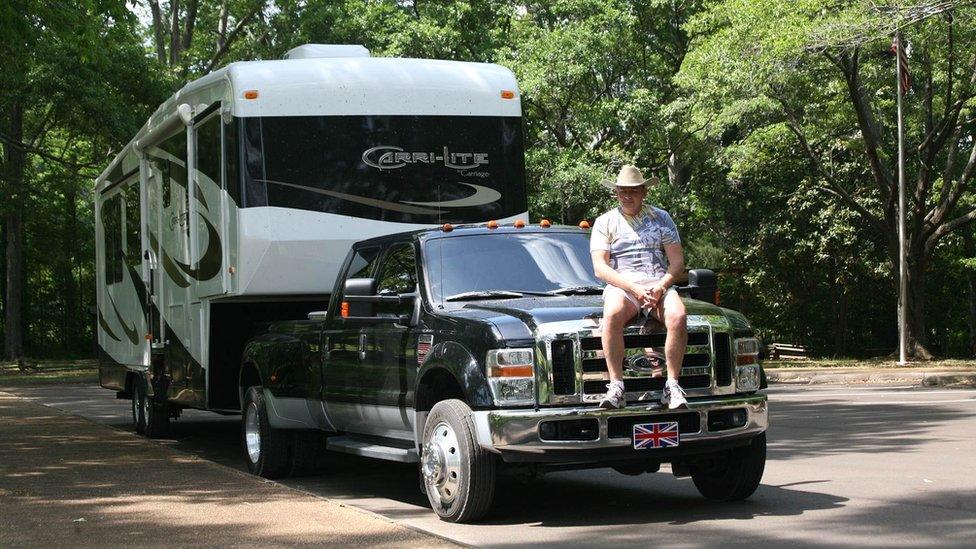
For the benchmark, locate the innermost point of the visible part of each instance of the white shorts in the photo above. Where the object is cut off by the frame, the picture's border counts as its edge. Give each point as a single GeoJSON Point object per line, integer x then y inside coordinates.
{"type": "Point", "coordinates": [638, 278]}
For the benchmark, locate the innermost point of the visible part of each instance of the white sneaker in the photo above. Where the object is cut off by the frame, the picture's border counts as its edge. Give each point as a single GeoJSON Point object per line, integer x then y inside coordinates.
{"type": "Point", "coordinates": [614, 397]}
{"type": "Point", "coordinates": [674, 395]}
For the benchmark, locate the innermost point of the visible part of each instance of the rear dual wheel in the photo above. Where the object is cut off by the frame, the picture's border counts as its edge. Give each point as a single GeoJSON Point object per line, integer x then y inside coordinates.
{"type": "Point", "coordinates": [150, 414]}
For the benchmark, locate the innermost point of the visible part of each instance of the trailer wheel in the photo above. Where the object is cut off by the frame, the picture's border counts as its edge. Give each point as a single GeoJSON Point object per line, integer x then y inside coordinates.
{"type": "Point", "coordinates": [138, 397]}
{"type": "Point", "coordinates": [731, 475]}
{"type": "Point", "coordinates": [267, 449]}
{"type": "Point", "coordinates": [458, 474]}
{"type": "Point", "coordinates": [155, 414]}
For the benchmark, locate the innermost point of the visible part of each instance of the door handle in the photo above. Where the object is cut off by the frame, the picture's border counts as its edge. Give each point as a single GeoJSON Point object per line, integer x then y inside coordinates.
{"type": "Point", "coordinates": [362, 346]}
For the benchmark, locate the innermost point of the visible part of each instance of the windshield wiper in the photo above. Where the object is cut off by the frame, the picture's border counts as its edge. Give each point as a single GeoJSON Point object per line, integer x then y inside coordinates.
{"type": "Point", "coordinates": [577, 290]}
{"type": "Point", "coordinates": [484, 294]}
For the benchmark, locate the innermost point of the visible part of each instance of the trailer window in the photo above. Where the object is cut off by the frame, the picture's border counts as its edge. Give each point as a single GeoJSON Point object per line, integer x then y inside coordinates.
{"type": "Point", "coordinates": [133, 240]}
{"type": "Point", "coordinates": [405, 169]}
{"type": "Point", "coordinates": [208, 152]}
{"type": "Point", "coordinates": [111, 213]}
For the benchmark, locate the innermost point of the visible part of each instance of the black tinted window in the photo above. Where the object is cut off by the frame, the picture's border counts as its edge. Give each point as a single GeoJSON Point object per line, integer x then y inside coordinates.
{"type": "Point", "coordinates": [133, 240]}
{"type": "Point", "coordinates": [408, 169]}
{"type": "Point", "coordinates": [399, 274]}
{"type": "Point", "coordinates": [111, 213]}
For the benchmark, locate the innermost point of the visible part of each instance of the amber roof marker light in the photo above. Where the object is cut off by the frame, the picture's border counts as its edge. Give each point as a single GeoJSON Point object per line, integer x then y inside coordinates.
{"type": "Point", "coordinates": [519, 224]}
{"type": "Point", "coordinates": [508, 94]}
{"type": "Point", "coordinates": [447, 227]}
{"type": "Point", "coordinates": [251, 94]}
{"type": "Point", "coordinates": [545, 224]}
{"type": "Point", "coordinates": [584, 224]}
{"type": "Point", "coordinates": [492, 224]}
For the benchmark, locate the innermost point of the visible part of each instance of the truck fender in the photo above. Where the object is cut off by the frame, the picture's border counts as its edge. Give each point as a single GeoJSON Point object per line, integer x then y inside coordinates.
{"type": "Point", "coordinates": [463, 367]}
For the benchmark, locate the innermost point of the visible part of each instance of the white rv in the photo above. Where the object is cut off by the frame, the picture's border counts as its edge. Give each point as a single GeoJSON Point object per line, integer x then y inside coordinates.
{"type": "Point", "coordinates": [237, 201]}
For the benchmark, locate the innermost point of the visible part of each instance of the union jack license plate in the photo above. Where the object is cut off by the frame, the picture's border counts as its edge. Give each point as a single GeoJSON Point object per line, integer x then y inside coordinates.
{"type": "Point", "coordinates": [655, 435]}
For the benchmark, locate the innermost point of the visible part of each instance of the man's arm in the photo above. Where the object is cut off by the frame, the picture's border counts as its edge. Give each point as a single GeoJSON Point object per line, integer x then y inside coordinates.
{"type": "Point", "coordinates": [606, 273]}
{"type": "Point", "coordinates": [676, 269]}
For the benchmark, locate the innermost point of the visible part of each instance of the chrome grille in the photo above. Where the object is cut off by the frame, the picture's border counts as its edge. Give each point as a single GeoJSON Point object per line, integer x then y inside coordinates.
{"type": "Point", "coordinates": [644, 365]}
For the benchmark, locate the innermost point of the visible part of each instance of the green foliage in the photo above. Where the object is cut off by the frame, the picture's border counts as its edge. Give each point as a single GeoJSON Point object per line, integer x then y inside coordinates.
{"type": "Point", "coordinates": [738, 106]}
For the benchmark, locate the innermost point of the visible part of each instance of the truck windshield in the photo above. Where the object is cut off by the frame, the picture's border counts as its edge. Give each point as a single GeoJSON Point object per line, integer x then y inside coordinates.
{"type": "Point", "coordinates": [506, 265]}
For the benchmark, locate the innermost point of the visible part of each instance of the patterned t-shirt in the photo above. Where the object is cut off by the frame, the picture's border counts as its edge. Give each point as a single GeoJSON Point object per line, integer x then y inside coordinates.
{"type": "Point", "coordinates": [636, 243]}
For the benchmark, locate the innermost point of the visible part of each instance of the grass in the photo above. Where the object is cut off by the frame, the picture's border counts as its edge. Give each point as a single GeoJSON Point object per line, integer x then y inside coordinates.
{"type": "Point", "coordinates": [874, 363]}
{"type": "Point", "coordinates": [49, 372]}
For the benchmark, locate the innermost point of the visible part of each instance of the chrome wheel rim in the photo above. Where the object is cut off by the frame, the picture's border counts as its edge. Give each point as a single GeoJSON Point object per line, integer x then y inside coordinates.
{"type": "Point", "coordinates": [146, 405]}
{"type": "Point", "coordinates": [252, 433]}
{"type": "Point", "coordinates": [441, 463]}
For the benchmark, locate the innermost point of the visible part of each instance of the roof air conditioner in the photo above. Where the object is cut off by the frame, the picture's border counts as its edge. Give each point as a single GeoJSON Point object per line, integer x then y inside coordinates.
{"type": "Point", "coordinates": [312, 51]}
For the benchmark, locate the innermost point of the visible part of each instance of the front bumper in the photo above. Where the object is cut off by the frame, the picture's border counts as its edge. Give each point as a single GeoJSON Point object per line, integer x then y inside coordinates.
{"type": "Point", "coordinates": [515, 434]}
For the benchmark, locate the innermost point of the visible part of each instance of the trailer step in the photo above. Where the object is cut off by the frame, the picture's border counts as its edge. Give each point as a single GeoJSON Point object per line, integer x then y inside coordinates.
{"type": "Point", "coordinates": [360, 447]}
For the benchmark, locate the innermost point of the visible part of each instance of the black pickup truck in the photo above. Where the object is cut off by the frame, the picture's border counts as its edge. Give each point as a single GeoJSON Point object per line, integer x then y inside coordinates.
{"type": "Point", "coordinates": [473, 348]}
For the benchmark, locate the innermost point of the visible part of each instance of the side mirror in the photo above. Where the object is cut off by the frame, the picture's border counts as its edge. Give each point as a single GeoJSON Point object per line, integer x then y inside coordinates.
{"type": "Point", "coordinates": [356, 287]}
{"type": "Point", "coordinates": [702, 285]}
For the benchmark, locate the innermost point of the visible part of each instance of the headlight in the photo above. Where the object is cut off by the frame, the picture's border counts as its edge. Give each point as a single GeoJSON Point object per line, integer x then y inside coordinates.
{"type": "Point", "coordinates": [511, 376]}
{"type": "Point", "coordinates": [747, 364]}
{"type": "Point", "coordinates": [746, 351]}
{"type": "Point", "coordinates": [747, 378]}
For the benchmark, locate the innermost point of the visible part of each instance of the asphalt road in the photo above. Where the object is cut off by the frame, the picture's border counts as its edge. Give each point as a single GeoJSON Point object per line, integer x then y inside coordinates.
{"type": "Point", "coordinates": [876, 466]}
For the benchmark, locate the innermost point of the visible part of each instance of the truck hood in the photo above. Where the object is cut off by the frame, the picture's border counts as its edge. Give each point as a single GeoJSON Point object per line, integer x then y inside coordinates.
{"type": "Point", "coordinates": [520, 318]}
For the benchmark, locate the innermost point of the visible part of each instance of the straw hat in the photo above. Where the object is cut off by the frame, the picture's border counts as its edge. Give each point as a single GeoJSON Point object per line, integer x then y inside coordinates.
{"type": "Point", "coordinates": [630, 176]}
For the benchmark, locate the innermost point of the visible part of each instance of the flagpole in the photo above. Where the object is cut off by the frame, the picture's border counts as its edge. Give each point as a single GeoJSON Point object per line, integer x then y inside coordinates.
{"type": "Point", "coordinates": [903, 256]}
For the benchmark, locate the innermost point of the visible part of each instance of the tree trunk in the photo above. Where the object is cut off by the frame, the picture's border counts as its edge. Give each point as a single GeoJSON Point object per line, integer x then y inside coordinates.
{"type": "Point", "coordinates": [69, 325]}
{"type": "Point", "coordinates": [915, 324]}
{"type": "Point", "coordinates": [14, 162]}
{"type": "Point", "coordinates": [969, 248]}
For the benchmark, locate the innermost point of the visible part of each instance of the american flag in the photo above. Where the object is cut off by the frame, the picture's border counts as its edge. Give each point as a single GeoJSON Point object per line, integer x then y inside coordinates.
{"type": "Point", "coordinates": [655, 435]}
{"type": "Point", "coordinates": [898, 48]}
{"type": "Point", "coordinates": [423, 347]}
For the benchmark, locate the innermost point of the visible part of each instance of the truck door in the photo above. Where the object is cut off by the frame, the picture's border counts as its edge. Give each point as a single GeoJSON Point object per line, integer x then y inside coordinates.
{"type": "Point", "coordinates": [387, 375]}
{"type": "Point", "coordinates": [343, 348]}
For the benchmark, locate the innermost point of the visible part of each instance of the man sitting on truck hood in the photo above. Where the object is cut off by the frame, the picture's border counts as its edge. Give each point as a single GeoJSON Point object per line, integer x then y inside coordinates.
{"type": "Point", "coordinates": [637, 251]}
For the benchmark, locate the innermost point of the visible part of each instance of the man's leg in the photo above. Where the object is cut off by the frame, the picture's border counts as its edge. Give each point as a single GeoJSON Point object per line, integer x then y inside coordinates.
{"type": "Point", "coordinates": [673, 312]}
{"type": "Point", "coordinates": [617, 311]}
{"type": "Point", "coordinates": [676, 341]}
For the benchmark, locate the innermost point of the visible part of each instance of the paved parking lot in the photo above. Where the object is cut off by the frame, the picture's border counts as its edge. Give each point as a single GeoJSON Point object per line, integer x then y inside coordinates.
{"type": "Point", "coordinates": [847, 465]}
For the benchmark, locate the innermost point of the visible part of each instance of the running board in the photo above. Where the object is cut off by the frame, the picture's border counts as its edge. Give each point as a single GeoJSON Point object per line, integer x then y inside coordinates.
{"type": "Point", "coordinates": [359, 447]}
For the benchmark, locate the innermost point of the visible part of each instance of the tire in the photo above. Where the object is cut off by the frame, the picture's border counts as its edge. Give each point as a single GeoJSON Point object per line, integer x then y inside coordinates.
{"type": "Point", "coordinates": [138, 405]}
{"type": "Point", "coordinates": [458, 474]}
{"type": "Point", "coordinates": [266, 450]}
{"type": "Point", "coordinates": [155, 413]}
{"type": "Point", "coordinates": [731, 475]}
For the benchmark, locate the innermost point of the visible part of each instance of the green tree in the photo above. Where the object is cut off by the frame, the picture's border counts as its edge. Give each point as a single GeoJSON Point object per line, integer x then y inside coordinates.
{"type": "Point", "coordinates": [77, 87]}
{"type": "Point", "coordinates": [816, 73]}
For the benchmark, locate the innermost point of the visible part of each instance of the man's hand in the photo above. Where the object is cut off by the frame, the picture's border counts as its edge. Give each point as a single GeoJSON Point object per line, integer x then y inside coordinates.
{"type": "Point", "coordinates": [657, 294]}
{"type": "Point", "coordinates": [644, 295]}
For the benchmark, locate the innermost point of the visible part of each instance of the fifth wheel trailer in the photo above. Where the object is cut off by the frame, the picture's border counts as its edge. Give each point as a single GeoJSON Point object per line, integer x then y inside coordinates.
{"type": "Point", "coordinates": [237, 201]}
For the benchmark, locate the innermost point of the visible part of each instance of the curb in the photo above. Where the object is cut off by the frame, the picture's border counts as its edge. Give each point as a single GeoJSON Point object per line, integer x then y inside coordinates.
{"type": "Point", "coordinates": [911, 377]}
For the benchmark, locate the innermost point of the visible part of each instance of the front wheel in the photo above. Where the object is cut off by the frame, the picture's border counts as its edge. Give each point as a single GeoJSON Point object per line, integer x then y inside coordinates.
{"type": "Point", "coordinates": [458, 474]}
{"type": "Point", "coordinates": [733, 474]}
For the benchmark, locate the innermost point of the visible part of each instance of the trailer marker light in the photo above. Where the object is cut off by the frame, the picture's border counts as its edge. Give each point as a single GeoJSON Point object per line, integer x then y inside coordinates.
{"type": "Point", "coordinates": [344, 309]}
{"type": "Point", "coordinates": [231, 269]}
{"type": "Point", "coordinates": [447, 227]}
{"type": "Point", "coordinates": [508, 94]}
{"type": "Point", "coordinates": [492, 224]}
{"type": "Point", "coordinates": [519, 223]}
{"type": "Point", "coordinates": [251, 94]}
{"type": "Point", "coordinates": [545, 224]}
{"type": "Point", "coordinates": [584, 224]}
